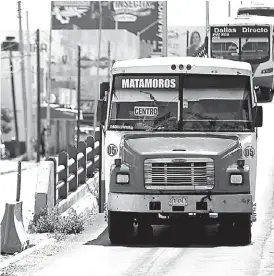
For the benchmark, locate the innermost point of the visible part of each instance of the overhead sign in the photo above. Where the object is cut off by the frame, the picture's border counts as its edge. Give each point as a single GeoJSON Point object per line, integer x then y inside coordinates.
{"type": "Point", "coordinates": [145, 82]}
{"type": "Point", "coordinates": [240, 31]}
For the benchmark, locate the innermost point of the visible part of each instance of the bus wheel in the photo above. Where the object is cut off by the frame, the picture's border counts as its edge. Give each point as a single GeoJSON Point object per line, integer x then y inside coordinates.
{"type": "Point", "coordinates": [243, 229]}
{"type": "Point", "coordinates": [225, 233]}
{"type": "Point", "coordinates": [120, 227]}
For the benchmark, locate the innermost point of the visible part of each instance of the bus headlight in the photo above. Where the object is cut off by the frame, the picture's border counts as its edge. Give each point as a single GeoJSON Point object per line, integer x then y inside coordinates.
{"type": "Point", "coordinates": [267, 71]}
{"type": "Point", "coordinates": [122, 178]}
{"type": "Point", "coordinates": [236, 179]}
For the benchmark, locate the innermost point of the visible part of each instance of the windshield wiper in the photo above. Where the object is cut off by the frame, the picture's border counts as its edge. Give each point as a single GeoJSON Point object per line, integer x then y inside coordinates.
{"type": "Point", "coordinates": [150, 95]}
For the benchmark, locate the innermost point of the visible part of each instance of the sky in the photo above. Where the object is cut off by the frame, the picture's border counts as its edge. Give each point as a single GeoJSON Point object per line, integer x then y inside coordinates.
{"type": "Point", "coordinates": [180, 13]}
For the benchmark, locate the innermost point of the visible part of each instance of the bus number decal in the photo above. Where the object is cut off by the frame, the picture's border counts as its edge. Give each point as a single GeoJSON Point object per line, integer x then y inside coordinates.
{"type": "Point", "coordinates": [112, 150]}
{"type": "Point", "coordinates": [249, 152]}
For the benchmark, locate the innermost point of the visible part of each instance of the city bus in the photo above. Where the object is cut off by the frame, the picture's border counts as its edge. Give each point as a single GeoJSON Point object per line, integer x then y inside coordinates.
{"type": "Point", "coordinates": [179, 143]}
{"type": "Point", "coordinates": [249, 39]}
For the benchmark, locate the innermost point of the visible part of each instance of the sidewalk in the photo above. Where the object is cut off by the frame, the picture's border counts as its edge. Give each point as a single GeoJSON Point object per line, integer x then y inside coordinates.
{"type": "Point", "coordinates": [9, 166]}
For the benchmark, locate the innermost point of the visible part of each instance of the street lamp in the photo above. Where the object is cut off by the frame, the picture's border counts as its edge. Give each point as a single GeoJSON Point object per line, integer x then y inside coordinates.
{"type": "Point", "coordinates": [11, 45]}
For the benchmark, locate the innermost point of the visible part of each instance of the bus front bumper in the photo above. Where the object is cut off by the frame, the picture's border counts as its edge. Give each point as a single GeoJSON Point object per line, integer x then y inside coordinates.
{"type": "Point", "coordinates": [137, 203]}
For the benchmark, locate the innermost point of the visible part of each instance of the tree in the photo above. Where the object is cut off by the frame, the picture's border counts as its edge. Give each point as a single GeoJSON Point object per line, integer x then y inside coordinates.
{"type": "Point", "coordinates": [6, 119]}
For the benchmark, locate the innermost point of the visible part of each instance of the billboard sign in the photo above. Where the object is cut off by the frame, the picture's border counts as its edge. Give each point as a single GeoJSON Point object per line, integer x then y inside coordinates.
{"type": "Point", "coordinates": [185, 40]}
{"type": "Point", "coordinates": [143, 17]}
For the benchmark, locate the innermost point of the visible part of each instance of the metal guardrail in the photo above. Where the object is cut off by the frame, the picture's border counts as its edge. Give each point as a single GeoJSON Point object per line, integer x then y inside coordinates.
{"type": "Point", "coordinates": [73, 167]}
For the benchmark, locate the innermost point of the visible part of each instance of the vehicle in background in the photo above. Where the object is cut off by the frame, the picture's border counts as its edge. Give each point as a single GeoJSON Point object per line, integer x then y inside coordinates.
{"type": "Point", "coordinates": [179, 142]}
{"type": "Point", "coordinates": [259, 9]}
{"type": "Point", "coordinates": [249, 39]}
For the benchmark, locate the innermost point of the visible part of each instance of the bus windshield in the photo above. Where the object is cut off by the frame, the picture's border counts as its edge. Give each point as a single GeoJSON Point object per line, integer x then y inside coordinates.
{"type": "Point", "coordinates": [243, 43]}
{"type": "Point", "coordinates": [211, 103]}
{"type": "Point", "coordinates": [260, 12]}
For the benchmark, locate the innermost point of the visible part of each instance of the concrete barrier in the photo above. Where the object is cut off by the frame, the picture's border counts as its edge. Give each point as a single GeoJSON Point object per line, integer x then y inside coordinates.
{"type": "Point", "coordinates": [44, 194]}
{"type": "Point", "coordinates": [13, 234]}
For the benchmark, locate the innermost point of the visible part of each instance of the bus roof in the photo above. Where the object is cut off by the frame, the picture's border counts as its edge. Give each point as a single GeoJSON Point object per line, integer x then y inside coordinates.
{"type": "Point", "coordinates": [198, 66]}
{"type": "Point", "coordinates": [246, 20]}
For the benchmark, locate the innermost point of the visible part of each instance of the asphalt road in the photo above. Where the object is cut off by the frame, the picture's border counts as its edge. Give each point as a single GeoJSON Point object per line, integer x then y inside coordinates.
{"type": "Point", "coordinates": [94, 255]}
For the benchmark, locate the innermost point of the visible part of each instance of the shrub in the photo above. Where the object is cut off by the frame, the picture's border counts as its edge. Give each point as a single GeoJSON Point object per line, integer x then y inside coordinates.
{"type": "Point", "coordinates": [6, 119]}
{"type": "Point", "coordinates": [54, 223]}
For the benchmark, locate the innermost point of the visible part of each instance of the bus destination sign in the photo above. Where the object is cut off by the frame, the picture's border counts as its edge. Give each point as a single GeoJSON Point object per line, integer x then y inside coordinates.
{"type": "Point", "coordinates": [240, 31]}
{"type": "Point", "coordinates": [147, 82]}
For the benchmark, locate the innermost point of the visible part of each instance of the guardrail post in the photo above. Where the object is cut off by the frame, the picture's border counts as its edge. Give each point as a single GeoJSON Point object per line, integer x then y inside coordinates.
{"type": "Point", "coordinates": [63, 175]}
{"type": "Point", "coordinates": [90, 156]}
{"type": "Point", "coordinates": [73, 169]}
{"type": "Point", "coordinates": [82, 148]}
{"type": "Point", "coordinates": [54, 177]}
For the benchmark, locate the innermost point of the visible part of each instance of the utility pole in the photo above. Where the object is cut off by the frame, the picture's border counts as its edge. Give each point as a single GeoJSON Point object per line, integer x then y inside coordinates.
{"type": "Point", "coordinates": [97, 91]}
{"type": "Point", "coordinates": [38, 94]}
{"type": "Point", "coordinates": [24, 92]}
{"type": "Point", "coordinates": [229, 8]}
{"type": "Point", "coordinates": [29, 90]}
{"type": "Point", "coordinates": [14, 104]}
{"type": "Point", "coordinates": [164, 49]}
{"type": "Point", "coordinates": [109, 61]}
{"type": "Point", "coordinates": [11, 45]}
{"type": "Point", "coordinates": [187, 41]}
{"type": "Point", "coordinates": [47, 145]}
{"type": "Point", "coordinates": [78, 93]}
{"type": "Point", "coordinates": [207, 18]}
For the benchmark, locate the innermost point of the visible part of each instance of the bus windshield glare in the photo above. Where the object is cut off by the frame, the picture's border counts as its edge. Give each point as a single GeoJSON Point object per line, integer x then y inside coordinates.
{"type": "Point", "coordinates": [242, 43]}
{"type": "Point", "coordinates": [211, 103]}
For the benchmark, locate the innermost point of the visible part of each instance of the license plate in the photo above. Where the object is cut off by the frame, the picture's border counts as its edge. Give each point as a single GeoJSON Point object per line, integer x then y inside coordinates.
{"type": "Point", "coordinates": [177, 201]}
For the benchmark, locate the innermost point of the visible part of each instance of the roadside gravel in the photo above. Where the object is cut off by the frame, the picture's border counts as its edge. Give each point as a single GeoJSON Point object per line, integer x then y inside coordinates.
{"type": "Point", "coordinates": [38, 258]}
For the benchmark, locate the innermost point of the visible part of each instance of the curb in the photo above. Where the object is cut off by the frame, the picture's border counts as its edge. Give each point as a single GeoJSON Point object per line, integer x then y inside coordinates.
{"type": "Point", "coordinates": [25, 253]}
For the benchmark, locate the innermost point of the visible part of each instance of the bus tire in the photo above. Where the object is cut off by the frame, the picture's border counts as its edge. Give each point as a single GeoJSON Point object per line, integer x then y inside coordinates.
{"type": "Point", "coordinates": [225, 231]}
{"type": "Point", "coordinates": [242, 227]}
{"type": "Point", "coordinates": [120, 227]}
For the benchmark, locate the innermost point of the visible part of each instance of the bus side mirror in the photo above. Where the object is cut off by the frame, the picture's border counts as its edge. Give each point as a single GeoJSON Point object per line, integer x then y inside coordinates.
{"type": "Point", "coordinates": [258, 113]}
{"type": "Point", "coordinates": [101, 111]}
{"type": "Point", "coordinates": [258, 93]}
